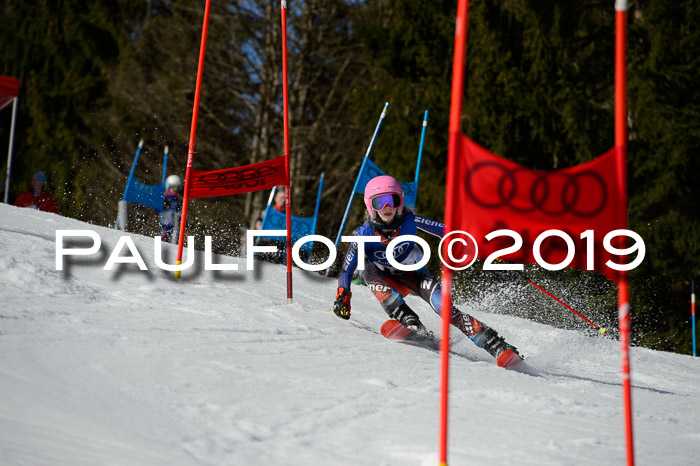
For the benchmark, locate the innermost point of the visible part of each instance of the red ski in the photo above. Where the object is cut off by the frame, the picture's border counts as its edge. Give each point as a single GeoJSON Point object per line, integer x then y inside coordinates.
{"type": "Point", "coordinates": [393, 330]}
{"type": "Point", "coordinates": [508, 359]}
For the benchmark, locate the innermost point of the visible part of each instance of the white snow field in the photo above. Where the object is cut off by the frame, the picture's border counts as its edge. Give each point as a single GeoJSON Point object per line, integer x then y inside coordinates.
{"type": "Point", "coordinates": [134, 367]}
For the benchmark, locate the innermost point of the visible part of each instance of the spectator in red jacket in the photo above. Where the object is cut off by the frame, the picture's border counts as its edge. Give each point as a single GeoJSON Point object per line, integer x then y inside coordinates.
{"type": "Point", "coordinates": [36, 197]}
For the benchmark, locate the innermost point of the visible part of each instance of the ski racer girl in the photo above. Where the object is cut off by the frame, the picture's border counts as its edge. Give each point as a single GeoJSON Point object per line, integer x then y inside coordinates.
{"type": "Point", "coordinates": [388, 219]}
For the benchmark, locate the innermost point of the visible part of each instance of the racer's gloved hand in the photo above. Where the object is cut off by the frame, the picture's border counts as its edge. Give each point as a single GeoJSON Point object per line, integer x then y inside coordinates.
{"type": "Point", "coordinates": [341, 306]}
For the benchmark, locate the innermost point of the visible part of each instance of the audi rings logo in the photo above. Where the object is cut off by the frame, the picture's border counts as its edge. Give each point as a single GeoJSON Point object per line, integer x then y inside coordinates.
{"type": "Point", "coordinates": [279, 221]}
{"type": "Point", "coordinates": [398, 251]}
{"type": "Point", "coordinates": [237, 178]}
{"type": "Point", "coordinates": [583, 194]}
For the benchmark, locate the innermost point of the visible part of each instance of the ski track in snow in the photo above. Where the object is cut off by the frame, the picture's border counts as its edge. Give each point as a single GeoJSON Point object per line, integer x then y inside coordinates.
{"type": "Point", "coordinates": [133, 367]}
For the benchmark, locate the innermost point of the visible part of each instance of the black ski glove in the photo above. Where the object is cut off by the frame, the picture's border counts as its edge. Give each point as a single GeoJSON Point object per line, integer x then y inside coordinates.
{"type": "Point", "coordinates": [341, 306]}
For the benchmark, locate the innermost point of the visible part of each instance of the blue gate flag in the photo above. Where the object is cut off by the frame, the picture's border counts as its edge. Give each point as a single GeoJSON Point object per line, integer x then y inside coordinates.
{"type": "Point", "coordinates": [144, 194]}
{"type": "Point", "coordinates": [150, 195]}
{"type": "Point", "coordinates": [301, 226]}
{"type": "Point", "coordinates": [371, 170]}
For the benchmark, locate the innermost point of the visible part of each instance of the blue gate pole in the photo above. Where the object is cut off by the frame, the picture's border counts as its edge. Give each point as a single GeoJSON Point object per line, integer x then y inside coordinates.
{"type": "Point", "coordinates": [362, 167]}
{"type": "Point", "coordinates": [162, 193]}
{"type": "Point", "coordinates": [128, 181]}
{"type": "Point", "coordinates": [165, 165]}
{"type": "Point", "coordinates": [420, 149]}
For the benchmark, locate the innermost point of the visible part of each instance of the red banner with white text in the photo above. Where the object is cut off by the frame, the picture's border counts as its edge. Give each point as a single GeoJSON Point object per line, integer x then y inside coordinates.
{"type": "Point", "coordinates": [495, 193]}
{"type": "Point", "coordinates": [254, 177]}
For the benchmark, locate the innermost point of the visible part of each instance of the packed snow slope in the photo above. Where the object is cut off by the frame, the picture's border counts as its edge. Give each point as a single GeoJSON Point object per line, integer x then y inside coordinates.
{"type": "Point", "coordinates": [134, 367]}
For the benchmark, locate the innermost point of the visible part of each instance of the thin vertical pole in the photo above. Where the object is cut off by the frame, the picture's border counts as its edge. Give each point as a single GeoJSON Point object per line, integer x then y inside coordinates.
{"type": "Point", "coordinates": [272, 196]}
{"type": "Point", "coordinates": [362, 170]}
{"type": "Point", "coordinates": [165, 165]}
{"type": "Point", "coordinates": [420, 149]}
{"type": "Point", "coordinates": [285, 99]}
{"type": "Point", "coordinates": [133, 168]}
{"type": "Point", "coordinates": [357, 180]}
{"type": "Point", "coordinates": [9, 150]}
{"type": "Point", "coordinates": [692, 307]}
{"type": "Point", "coordinates": [128, 180]}
{"type": "Point", "coordinates": [193, 133]}
{"type": "Point", "coordinates": [451, 185]}
{"type": "Point", "coordinates": [621, 161]}
{"type": "Point", "coordinates": [162, 192]}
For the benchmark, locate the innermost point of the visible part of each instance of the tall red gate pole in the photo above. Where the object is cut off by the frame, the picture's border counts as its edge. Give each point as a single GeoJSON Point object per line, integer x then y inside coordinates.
{"type": "Point", "coordinates": [621, 146]}
{"type": "Point", "coordinates": [451, 186]}
{"type": "Point", "coordinates": [193, 132]}
{"type": "Point", "coordinates": [285, 99]}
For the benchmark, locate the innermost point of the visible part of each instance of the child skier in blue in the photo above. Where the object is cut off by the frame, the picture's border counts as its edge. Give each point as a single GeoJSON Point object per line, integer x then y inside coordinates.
{"type": "Point", "coordinates": [388, 219]}
{"type": "Point", "coordinates": [172, 209]}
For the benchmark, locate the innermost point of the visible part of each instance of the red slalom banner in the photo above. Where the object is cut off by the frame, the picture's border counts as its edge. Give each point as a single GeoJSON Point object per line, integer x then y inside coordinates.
{"type": "Point", "coordinates": [239, 180]}
{"type": "Point", "coordinates": [495, 193]}
{"type": "Point", "coordinates": [614, 185]}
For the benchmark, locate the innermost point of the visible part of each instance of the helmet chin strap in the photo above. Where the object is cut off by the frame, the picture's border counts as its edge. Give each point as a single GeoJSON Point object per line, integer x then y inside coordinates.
{"type": "Point", "coordinates": [378, 222]}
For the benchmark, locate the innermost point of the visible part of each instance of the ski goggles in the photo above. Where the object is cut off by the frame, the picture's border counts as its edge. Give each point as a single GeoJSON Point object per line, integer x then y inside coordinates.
{"type": "Point", "coordinates": [380, 201]}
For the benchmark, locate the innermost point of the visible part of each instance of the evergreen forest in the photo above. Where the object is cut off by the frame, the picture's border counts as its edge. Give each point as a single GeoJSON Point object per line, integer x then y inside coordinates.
{"type": "Point", "coordinates": [96, 77]}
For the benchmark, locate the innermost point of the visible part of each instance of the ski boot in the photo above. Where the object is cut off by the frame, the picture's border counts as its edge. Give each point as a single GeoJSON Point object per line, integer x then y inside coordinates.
{"type": "Point", "coordinates": [505, 353]}
{"type": "Point", "coordinates": [409, 319]}
{"type": "Point", "coordinates": [467, 324]}
{"type": "Point", "coordinates": [487, 338]}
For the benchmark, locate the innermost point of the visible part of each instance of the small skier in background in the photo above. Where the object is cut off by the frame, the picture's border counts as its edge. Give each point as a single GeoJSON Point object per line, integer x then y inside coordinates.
{"type": "Point", "coordinates": [172, 209]}
{"type": "Point", "coordinates": [388, 219]}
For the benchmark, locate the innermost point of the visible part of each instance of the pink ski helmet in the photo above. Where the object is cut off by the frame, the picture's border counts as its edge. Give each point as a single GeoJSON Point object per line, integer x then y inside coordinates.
{"type": "Point", "coordinates": [383, 190]}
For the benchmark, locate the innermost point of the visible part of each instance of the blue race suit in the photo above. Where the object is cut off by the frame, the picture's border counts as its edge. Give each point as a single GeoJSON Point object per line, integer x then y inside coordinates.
{"type": "Point", "coordinates": [170, 217]}
{"type": "Point", "coordinates": [388, 284]}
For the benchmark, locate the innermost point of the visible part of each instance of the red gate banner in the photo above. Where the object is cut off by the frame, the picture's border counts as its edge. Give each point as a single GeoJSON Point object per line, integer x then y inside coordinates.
{"type": "Point", "coordinates": [254, 177]}
{"type": "Point", "coordinates": [495, 193]}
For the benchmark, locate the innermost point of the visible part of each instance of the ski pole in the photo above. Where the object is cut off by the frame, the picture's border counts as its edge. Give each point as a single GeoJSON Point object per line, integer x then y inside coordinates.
{"type": "Point", "coordinates": [522, 274]}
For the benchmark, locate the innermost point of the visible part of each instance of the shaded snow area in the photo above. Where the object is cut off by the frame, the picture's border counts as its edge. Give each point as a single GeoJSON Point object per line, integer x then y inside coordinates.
{"type": "Point", "coordinates": [137, 368]}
